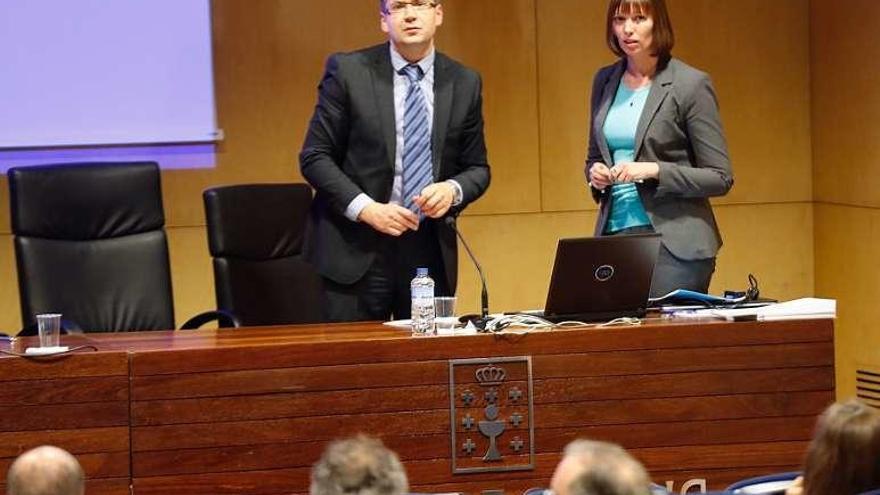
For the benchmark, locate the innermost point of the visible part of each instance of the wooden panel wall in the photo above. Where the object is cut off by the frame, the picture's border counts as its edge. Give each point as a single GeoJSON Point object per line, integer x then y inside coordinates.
{"type": "Point", "coordinates": [79, 403]}
{"type": "Point", "coordinates": [720, 401]}
{"type": "Point", "coordinates": [846, 157]}
{"type": "Point", "coordinates": [537, 58]}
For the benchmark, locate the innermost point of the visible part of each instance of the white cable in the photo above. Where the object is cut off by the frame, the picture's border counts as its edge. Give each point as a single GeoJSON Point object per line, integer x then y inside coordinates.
{"type": "Point", "coordinates": [625, 321]}
{"type": "Point", "coordinates": [531, 322]}
{"type": "Point", "coordinates": [518, 320]}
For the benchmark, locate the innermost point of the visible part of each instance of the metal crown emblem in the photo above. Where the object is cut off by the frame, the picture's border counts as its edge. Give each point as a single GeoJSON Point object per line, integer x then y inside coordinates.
{"type": "Point", "coordinates": [490, 376]}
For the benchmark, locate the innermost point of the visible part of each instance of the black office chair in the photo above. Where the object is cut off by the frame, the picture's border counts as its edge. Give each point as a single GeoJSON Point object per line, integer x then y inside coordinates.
{"type": "Point", "coordinates": [255, 235]}
{"type": "Point", "coordinates": [90, 244]}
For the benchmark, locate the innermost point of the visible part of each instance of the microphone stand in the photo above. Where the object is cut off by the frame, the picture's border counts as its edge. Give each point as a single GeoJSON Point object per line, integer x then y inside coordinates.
{"type": "Point", "coordinates": [478, 321]}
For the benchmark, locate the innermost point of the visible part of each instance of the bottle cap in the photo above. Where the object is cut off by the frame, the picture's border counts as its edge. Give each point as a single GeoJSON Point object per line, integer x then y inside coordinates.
{"type": "Point", "coordinates": [421, 272]}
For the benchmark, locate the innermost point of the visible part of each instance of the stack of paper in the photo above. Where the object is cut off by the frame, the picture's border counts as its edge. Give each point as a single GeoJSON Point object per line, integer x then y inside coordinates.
{"type": "Point", "coordinates": [808, 307]}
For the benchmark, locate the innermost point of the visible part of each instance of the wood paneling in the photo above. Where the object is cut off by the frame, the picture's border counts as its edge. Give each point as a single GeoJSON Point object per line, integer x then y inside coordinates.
{"type": "Point", "coordinates": [249, 411]}
{"type": "Point", "coordinates": [772, 241]}
{"type": "Point", "coordinates": [537, 58]}
{"type": "Point", "coordinates": [846, 136]}
{"type": "Point", "coordinates": [846, 157]}
{"type": "Point", "coordinates": [10, 321]}
{"type": "Point", "coordinates": [79, 403]}
{"type": "Point", "coordinates": [760, 66]}
{"type": "Point", "coordinates": [500, 43]}
{"type": "Point", "coordinates": [846, 269]}
{"type": "Point", "coordinates": [192, 276]}
{"type": "Point", "coordinates": [777, 67]}
{"type": "Point", "coordinates": [571, 48]}
{"type": "Point", "coordinates": [717, 37]}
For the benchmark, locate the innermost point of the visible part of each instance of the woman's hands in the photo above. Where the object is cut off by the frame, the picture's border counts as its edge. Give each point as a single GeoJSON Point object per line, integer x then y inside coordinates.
{"type": "Point", "coordinates": [601, 176]}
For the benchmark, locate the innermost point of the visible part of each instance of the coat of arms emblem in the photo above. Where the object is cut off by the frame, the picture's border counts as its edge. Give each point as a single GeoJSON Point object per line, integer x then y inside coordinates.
{"type": "Point", "coordinates": [491, 411]}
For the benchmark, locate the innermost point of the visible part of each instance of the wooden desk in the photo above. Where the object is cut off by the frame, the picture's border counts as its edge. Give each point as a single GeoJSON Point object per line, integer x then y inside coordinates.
{"type": "Point", "coordinates": [248, 411]}
{"type": "Point", "coordinates": [78, 402]}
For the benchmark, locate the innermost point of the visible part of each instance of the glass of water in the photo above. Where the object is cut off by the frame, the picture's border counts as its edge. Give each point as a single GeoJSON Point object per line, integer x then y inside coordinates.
{"type": "Point", "coordinates": [444, 315]}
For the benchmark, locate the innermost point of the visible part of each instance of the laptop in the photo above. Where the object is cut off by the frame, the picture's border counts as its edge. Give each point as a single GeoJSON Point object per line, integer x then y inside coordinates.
{"type": "Point", "coordinates": [601, 278]}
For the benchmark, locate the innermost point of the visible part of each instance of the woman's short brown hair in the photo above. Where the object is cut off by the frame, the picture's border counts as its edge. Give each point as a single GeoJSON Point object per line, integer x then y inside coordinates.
{"type": "Point", "coordinates": [843, 456]}
{"type": "Point", "coordinates": [664, 38]}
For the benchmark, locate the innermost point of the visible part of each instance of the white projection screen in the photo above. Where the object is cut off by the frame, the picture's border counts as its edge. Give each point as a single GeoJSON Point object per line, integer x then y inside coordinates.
{"type": "Point", "coordinates": [105, 72]}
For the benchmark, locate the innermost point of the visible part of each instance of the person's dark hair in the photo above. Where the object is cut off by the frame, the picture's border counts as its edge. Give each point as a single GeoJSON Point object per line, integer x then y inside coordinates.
{"type": "Point", "coordinates": [358, 466]}
{"type": "Point", "coordinates": [664, 38]}
{"type": "Point", "coordinates": [607, 470]}
{"type": "Point", "coordinates": [383, 5]}
{"type": "Point", "coordinates": [844, 455]}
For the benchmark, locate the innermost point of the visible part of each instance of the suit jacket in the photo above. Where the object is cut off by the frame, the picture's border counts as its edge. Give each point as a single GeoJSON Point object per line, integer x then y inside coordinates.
{"type": "Point", "coordinates": [350, 149]}
{"type": "Point", "coordinates": [680, 129]}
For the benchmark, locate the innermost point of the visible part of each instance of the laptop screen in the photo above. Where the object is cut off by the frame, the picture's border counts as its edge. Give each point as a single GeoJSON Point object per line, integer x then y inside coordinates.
{"type": "Point", "coordinates": [599, 278]}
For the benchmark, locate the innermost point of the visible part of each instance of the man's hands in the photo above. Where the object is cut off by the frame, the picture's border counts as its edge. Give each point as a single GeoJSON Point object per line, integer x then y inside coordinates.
{"type": "Point", "coordinates": [388, 218]}
{"type": "Point", "coordinates": [436, 199]}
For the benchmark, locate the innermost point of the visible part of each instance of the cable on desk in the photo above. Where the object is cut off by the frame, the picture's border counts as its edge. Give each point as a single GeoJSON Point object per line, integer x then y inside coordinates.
{"type": "Point", "coordinates": [532, 322]}
{"type": "Point", "coordinates": [625, 321]}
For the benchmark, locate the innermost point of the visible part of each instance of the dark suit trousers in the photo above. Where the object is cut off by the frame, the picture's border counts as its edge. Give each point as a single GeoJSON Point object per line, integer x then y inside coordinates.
{"type": "Point", "coordinates": [383, 291]}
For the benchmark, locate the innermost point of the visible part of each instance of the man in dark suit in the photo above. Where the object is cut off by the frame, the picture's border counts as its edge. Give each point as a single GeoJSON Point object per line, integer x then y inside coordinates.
{"type": "Point", "coordinates": [395, 150]}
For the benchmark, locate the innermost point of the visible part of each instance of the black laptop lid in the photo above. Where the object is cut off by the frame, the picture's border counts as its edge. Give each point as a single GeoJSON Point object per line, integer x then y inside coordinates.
{"type": "Point", "coordinates": [600, 278]}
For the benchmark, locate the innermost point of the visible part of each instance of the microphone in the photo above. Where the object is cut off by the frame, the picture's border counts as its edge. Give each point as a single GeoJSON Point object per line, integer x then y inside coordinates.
{"type": "Point", "coordinates": [479, 322]}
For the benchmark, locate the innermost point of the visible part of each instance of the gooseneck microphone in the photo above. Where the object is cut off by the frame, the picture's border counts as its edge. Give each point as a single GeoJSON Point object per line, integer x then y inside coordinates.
{"type": "Point", "coordinates": [480, 322]}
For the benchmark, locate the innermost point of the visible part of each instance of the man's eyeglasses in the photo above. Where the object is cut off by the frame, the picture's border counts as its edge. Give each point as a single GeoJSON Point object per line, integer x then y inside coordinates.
{"type": "Point", "coordinates": [417, 5]}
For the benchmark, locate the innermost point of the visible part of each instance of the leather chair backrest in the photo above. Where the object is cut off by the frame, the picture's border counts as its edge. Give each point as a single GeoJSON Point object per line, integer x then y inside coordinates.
{"type": "Point", "coordinates": [90, 244]}
{"type": "Point", "coordinates": [255, 235]}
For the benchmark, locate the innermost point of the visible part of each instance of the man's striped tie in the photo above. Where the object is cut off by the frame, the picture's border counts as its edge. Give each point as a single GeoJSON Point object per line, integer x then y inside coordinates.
{"type": "Point", "coordinates": [417, 168]}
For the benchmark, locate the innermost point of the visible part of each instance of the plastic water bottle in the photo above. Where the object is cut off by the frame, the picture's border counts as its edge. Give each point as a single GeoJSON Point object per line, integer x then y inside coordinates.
{"type": "Point", "coordinates": [421, 291]}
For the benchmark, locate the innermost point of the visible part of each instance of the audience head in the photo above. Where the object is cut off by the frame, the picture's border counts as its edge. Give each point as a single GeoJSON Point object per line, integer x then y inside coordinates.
{"type": "Point", "coordinates": [599, 468]}
{"type": "Point", "coordinates": [844, 456]}
{"type": "Point", "coordinates": [358, 466]}
{"type": "Point", "coordinates": [45, 471]}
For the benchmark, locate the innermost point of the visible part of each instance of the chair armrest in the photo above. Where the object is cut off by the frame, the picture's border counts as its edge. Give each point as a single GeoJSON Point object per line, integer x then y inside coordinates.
{"type": "Point", "coordinates": [224, 319]}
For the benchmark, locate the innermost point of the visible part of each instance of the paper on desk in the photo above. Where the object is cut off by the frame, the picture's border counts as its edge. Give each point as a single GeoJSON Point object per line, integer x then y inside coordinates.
{"type": "Point", "coordinates": [807, 307]}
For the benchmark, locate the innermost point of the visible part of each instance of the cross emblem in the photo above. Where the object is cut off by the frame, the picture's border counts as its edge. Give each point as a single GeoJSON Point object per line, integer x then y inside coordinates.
{"type": "Point", "coordinates": [516, 419]}
{"type": "Point", "coordinates": [467, 397]}
{"type": "Point", "coordinates": [517, 444]}
{"type": "Point", "coordinates": [468, 446]}
{"type": "Point", "coordinates": [467, 422]}
{"type": "Point", "coordinates": [492, 395]}
{"type": "Point", "coordinates": [515, 394]}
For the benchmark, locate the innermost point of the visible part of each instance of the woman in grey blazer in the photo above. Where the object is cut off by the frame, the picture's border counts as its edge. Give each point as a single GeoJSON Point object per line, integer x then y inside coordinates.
{"type": "Point", "coordinates": [657, 151]}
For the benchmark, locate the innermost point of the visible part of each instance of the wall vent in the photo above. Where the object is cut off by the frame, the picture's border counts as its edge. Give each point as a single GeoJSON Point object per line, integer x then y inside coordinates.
{"type": "Point", "coordinates": [868, 386]}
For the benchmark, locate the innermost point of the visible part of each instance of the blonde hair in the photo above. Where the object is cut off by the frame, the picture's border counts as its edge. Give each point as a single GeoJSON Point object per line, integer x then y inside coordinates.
{"type": "Point", "coordinates": [360, 465]}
